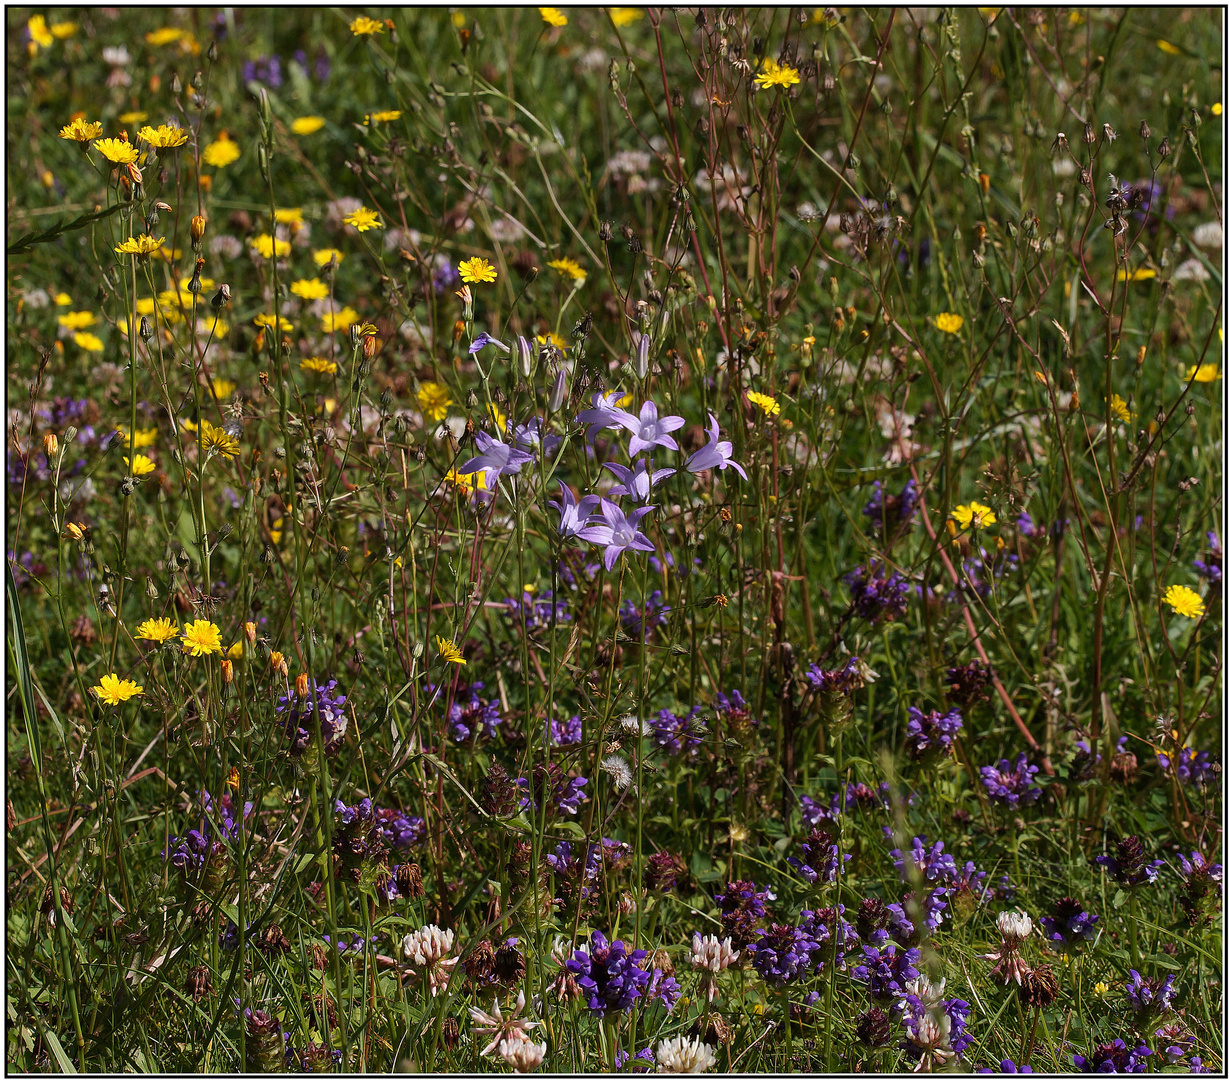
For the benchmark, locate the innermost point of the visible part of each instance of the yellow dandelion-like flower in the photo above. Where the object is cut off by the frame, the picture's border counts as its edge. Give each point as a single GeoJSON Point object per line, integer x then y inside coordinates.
{"type": "Point", "coordinates": [265, 246]}
{"type": "Point", "coordinates": [1202, 373]}
{"type": "Point", "coordinates": [221, 152]}
{"type": "Point", "coordinates": [282, 323]}
{"type": "Point", "coordinates": [1118, 407]}
{"type": "Point", "coordinates": [385, 117]}
{"type": "Point", "coordinates": [202, 638]}
{"type": "Point", "coordinates": [310, 289]}
{"type": "Point", "coordinates": [218, 440]}
{"type": "Point", "coordinates": [318, 365]}
{"type": "Point", "coordinates": [289, 215]}
{"type": "Point", "coordinates": [769, 406]}
{"type": "Point", "coordinates": [140, 465]}
{"type": "Point", "coordinates": [1168, 48]}
{"type": "Point", "coordinates": [570, 267]}
{"type": "Point", "coordinates": [363, 26]}
{"type": "Point", "coordinates": [553, 16]}
{"type": "Point", "coordinates": [168, 254]}
{"type": "Point", "coordinates": [158, 630]}
{"type": "Point", "coordinates": [235, 652]}
{"type": "Point", "coordinates": [145, 437]}
{"type": "Point", "coordinates": [306, 125]}
{"type": "Point", "coordinates": [433, 399]}
{"type": "Point", "coordinates": [87, 341]}
{"type": "Point", "coordinates": [166, 35]}
{"type": "Point", "coordinates": [625, 16]}
{"type": "Point", "coordinates": [40, 36]}
{"type": "Point", "coordinates": [474, 271]}
{"type": "Point", "coordinates": [326, 255]}
{"type": "Point", "coordinates": [81, 130]}
{"type": "Point", "coordinates": [975, 515]}
{"type": "Point", "coordinates": [63, 300]}
{"type": "Point", "coordinates": [139, 245]}
{"type": "Point", "coordinates": [552, 339]}
{"type": "Point", "coordinates": [222, 388]}
{"type": "Point", "coordinates": [774, 74]}
{"type": "Point", "coordinates": [117, 150]}
{"type": "Point", "coordinates": [76, 320]}
{"type": "Point", "coordinates": [949, 323]}
{"type": "Point", "coordinates": [135, 117]}
{"type": "Point", "coordinates": [112, 690]}
{"type": "Point", "coordinates": [363, 219]}
{"type": "Point", "coordinates": [63, 30]}
{"type": "Point", "coordinates": [498, 417]}
{"type": "Point", "coordinates": [467, 483]}
{"type": "Point", "coordinates": [448, 651]}
{"type": "Point", "coordinates": [1140, 273]}
{"type": "Point", "coordinates": [164, 136]}
{"type": "Point", "coordinates": [333, 321]}
{"type": "Point", "coordinates": [1184, 601]}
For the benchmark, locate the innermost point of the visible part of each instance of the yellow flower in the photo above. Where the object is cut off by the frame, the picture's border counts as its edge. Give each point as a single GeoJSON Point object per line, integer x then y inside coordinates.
{"type": "Point", "coordinates": [145, 437]}
{"type": "Point", "coordinates": [222, 388]}
{"type": "Point", "coordinates": [775, 74]}
{"type": "Point", "coordinates": [158, 630]}
{"type": "Point", "coordinates": [307, 125]}
{"type": "Point", "coordinates": [364, 26]}
{"type": "Point", "coordinates": [168, 254]}
{"type": "Point", "coordinates": [1202, 373]}
{"type": "Point", "coordinates": [448, 651]}
{"type": "Point", "coordinates": [139, 245]}
{"type": "Point", "coordinates": [265, 245]}
{"type": "Point", "coordinates": [363, 219]}
{"type": "Point", "coordinates": [140, 465]}
{"type": "Point", "coordinates": [218, 441]}
{"type": "Point", "coordinates": [39, 34]}
{"type": "Point", "coordinates": [476, 270]}
{"type": "Point", "coordinates": [202, 638]}
{"type": "Point", "coordinates": [76, 320]}
{"type": "Point", "coordinates": [167, 35]}
{"type": "Point", "coordinates": [467, 483]}
{"type": "Point", "coordinates": [552, 339]}
{"type": "Point", "coordinates": [63, 300]}
{"type": "Point", "coordinates": [975, 515]}
{"type": "Point", "coordinates": [87, 341]}
{"type": "Point", "coordinates": [319, 365]}
{"type": "Point", "coordinates": [498, 417]}
{"type": "Point", "coordinates": [63, 30]}
{"type": "Point", "coordinates": [1184, 601]}
{"type": "Point", "coordinates": [326, 255]}
{"type": "Point", "coordinates": [949, 323]}
{"type": "Point", "coordinates": [1142, 273]}
{"type": "Point", "coordinates": [235, 652]}
{"type": "Point", "coordinates": [553, 16]}
{"type": "Point", "coordinates": [163, 136]}
{"type": "Point", "coordinates": [571, 267]}
{"type": "Point", "coordinates": [385, 117]}
{"type": "Point", "coordinates": [1216, 109]}
{"type": "Point", "coordinates": [1166, 47]}
{"type": "Point", "coordinates": [769, 406]}
{"type": "Point", "coordinates": [117, 150]}
{"type": "Point", "coordinates": [1119, 408]}
{"type": "Point", "coordinates": [332, 321]}
{"type": "Point", "coordinates": [113, 690]}
{"type": "Point", "coordinates": [283, 323]}
{"type": "Point", "coordinates": [434, 400]}
{"type": "Point", "coordinates": [310, 289]}
{"type": "Point", "coordinates": [1101, 988]}
{"type": "Point", "coordinates": [81, 130]}
{"type": "Point", "coordinates": [291, 215]}
{"type": "Point", "coordinates": [625, 16]}
{"type": "Point", "coordinates": [74, 530]}
{"type": "Point", "coordinates": [221, 152]}
{"type": "Point", "coordinates": [135, 117]}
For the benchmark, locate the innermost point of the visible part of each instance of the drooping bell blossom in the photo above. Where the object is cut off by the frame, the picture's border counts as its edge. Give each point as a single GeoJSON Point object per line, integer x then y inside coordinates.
{"type": "Point", "coordinates": [495, 458]}
{"type": "Point", "coordinates": [648, 429]}
{"type": "Point", "coordinates": [529, 437]}
{"type": "Point", "coordinates": [716, 455]}
{"type": "Point", "coordinates": [603, 415]}
{"type": "Point", "coordinates": [638, 481]}
{"type": "Point", "coordinates": [483, 340]}
{"type": "Point", "coordinates": [573, 516]}
{"type": "Point", "coordinates": [619, 532]}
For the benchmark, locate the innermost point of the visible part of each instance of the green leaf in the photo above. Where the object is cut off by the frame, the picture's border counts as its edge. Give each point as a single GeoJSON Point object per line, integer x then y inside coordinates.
{"type": "Point", "coordinates": [24, 243]}
{"type": "Point", "coordinates": [57, 1051]}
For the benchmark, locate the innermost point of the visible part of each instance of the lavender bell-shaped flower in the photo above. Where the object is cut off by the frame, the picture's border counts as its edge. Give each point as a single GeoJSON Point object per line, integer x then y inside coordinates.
{"type": "Point", "coordinates": [718, 454]}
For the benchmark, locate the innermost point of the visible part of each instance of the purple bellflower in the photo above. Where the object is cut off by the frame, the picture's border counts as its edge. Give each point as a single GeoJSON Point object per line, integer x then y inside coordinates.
{"type": "Point", "coordinates": [495, 458]}
{"type": "Point", "coordinates": [573, 516]}
{"type": "Point", "coordinates": [603, 415]}
{"type": "Point", "coordinates": [716, 455]}
{"type": "Point", "coordinates": [619, 533]}
{"type": "Point", "coordinates": [638, 481]}
{"type": "Point", "coordinates": [648, 430]}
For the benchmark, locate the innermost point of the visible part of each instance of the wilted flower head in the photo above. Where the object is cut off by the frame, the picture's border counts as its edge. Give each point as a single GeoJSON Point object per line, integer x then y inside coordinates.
{"type": "Point", "coordinates": [512, 1028]}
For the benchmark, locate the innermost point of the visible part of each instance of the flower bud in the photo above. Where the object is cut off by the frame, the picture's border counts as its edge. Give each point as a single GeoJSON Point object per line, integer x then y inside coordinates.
{"type": "Point", "coordinates": [51, 445]}
{"type": "Point", "coordinates": [197, 231]}
{"type": "Point", "coordinates": [559, 391]}
{"type": "Point", "coordinates": [249, 631]}
{"type": "Point", "coordinates": [526, 356]}
{"type": "Point", "coordinates": [74, 530]}
{"type": "Point", "coordinates": [300, 684]}
{"type": "Point", "coordinates": [221, 298]}
{"type": "Point", "coordinates": [642, 356]}
{"type": "Point", "coordinates": [370, 344]}
{"type": "Point", "coordinates": [228, 672]}
{"type": "Point", "coordinates": [1145, 132]}
{"type": "Point", "coordinates": [147, 330]}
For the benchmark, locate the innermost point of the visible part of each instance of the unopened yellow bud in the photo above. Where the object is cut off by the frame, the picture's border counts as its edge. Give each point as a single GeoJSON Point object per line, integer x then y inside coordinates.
{"type": "Point", "coordinates": [300, 684]}
{"type": "Point", "coordinates": [228, 672]}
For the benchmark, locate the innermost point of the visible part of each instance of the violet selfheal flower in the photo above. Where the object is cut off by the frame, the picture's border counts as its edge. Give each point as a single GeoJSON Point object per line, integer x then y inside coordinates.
{"type": "Point", "coordinates": [934, 864]}
{"type": "Point", "coordinates": [678, 733]}
{"type": "Point", "coordinates": [641, 1061]}
{"type": "Point", "coordinates": [638, 482]}
{"type": "Point", "coordinates": [1115, 1057]}
{"type": "Point", "coordinates": [783, 954]}
{"type": "Point", "coordinates": [1151, 996]}
{"type": "Point", "coordinates": [929, 736]}
{"type": "Point", "coordinates": [495, 458]}
{"type": "Point", "coordinates": [483, 340]}
{"type": "Point", "coordinates": [301, 719]}
{"type": "Point", "coordinates": [742, 906]}
{"type": "Point", "coordinates": [566, 733]}
{"type": "Point", "coordinates": [610, 976]}
{"type": "Point", "coordinates": [820, 858]}
{"type": "Point", "coordinates": [1191, 767]}
{"type": "Point", "coordinates": [619, 533]}
{"type": "Point", "coordinates": [1011, 785]}
{"type": "Point", "coordinates": [1211, 568]}
{"type": "Point", "coordinates": [717, 454]}
{"type": "Point", "coordinates": [894, 511]}
{"type": "Point", "coordinates": [603, 415]}
{"type": "Point", "coordinates": [1175, 1042]}
{"type": "Point", "coordinates": [886, 971]}
{"type": "Point", "coordinates": [875, 595]}
{"type": "Point", "coordinates": [1069, 925]}
{"type": "Point", "coordinates": [1129, 865]}
{"type": "Point", "coordinates": [648, 429]}
{"type": "Point", "coordinates": [966, 684]}
{"type": "Point", "coordinates": [573, 516]}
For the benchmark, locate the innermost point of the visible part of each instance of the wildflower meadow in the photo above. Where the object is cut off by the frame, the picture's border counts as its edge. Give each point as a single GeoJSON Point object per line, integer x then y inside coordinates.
{"type": "Point", "coordinates": [614, 540]}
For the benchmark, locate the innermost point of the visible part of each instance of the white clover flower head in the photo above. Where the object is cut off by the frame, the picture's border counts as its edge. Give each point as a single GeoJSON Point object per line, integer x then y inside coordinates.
{"type": "Point", "coordinates": [712, 954]}
{"type": "Point", "coordinates": [502, 1029]}
{"type": "Point", "coordinates": [929, 993]}
{"type": "Point", "coordinates": [428, 949]}
{"type": "Point", "coordinates": [522, 1055]}
{"type": "Point", "coordinates": [1015, 926]}
{"type": "Point", "coordinates": [684, 1055]}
